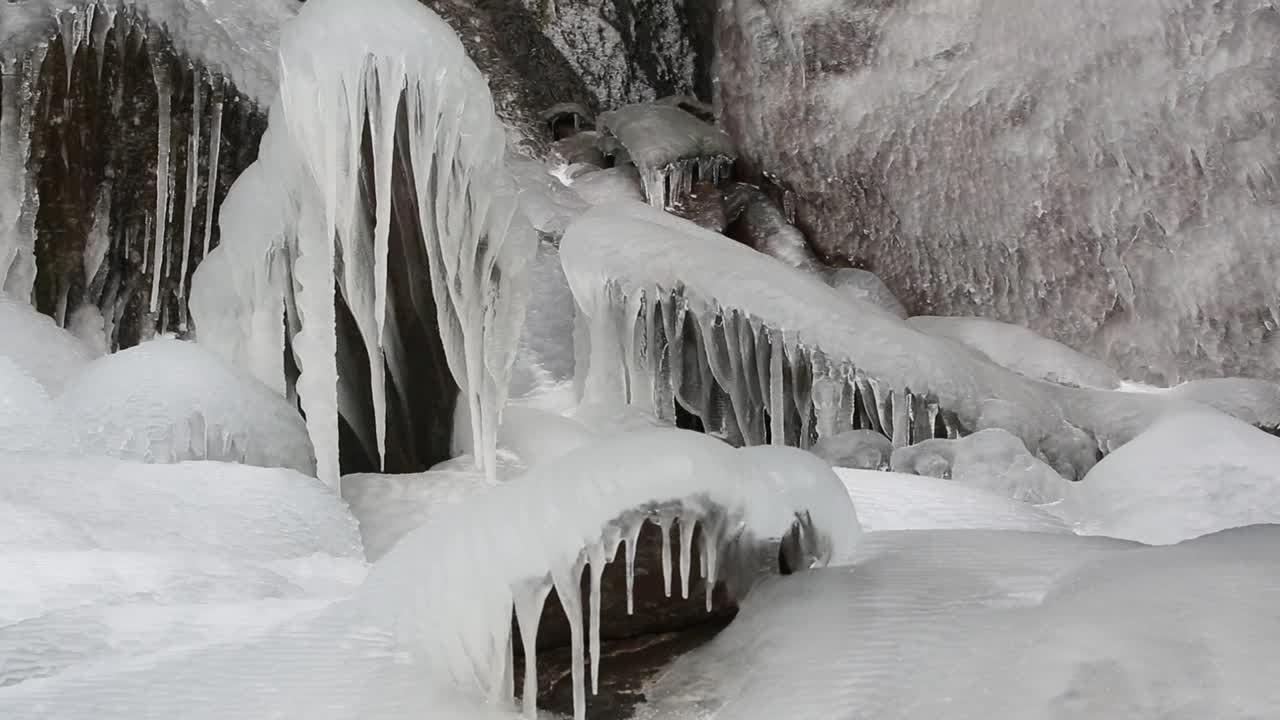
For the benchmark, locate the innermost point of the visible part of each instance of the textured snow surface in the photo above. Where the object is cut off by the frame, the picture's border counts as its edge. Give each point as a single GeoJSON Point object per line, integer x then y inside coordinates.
{"type": "Point", "coordinates": [1186, 476]}
{"type": "Point", "coordinates": [1103, 173]}
{"type": "Point", "coordinates": [976, 624]}
{"type": "Point", "coordinates": [894, 501]}
{"type": "Point", "coordinates": [169, 400]}
{"type": "Point", "coordinates": [237, 38]}
{"type": "Point", "coordinates": [109, 564]}
{"type": "Point", "coordinates": [301, 210]}
{"type": "Point", "coordinates": [38, 347]}
{"type": "Point", "coordinates": [1021, 350]}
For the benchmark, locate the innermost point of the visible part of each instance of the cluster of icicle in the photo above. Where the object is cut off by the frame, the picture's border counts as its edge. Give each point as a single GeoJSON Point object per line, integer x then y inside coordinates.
{"type": "Point", "coordinates": [296, 230]}
{"type": "Point", "coordinates": [509, 548]}
{"type": "Point", "coordinates": [671, 185]}
{"type": "Point", "coordinates": [80, 27]}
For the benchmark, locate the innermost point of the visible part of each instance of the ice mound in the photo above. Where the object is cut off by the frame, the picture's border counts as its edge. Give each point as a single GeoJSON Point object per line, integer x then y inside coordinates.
{"type": "Point", "coordinates": [672, 148]}
{"type": "Point", "coordinates": [970, 625]}
{"type": "Point", "coordinates": [29, 421]}
{"type": "Point", "coordinates": [1256, 402]}
{"type": "Point", "coordinates": [894, 501]}
{"type": "Point", "coordinates": [1021, 350]}
{"type": "Point", "coordinates": [38, 347]}
{"type": "Point", "coordinates": [990, 459]}
{"type": "Point", "coordinates": [858, 449]}
{"type": "Point", "coordinates": [1188, 475]}
{"type": "Point", "coordinates": [611, 185]}
{"type": "Point", "coordinates": [168, 401]}
{"type": "Point", "coordinates": [388, 507]}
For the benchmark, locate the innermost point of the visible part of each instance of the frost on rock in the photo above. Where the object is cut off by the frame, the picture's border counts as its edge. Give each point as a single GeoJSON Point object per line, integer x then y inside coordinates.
{"type": "Point", "coordinates": [1188, 475]}
{"type": "Point", "coordinates": [112, 125]}
{"type": "Point", "coordinates": [671, 148]}
{"type": "Point", "coordinates": [381, 219]}
{"type": "Point", "coordinates": [1021, 350]}
{"type": "Point", "coordinates": [1104, 174]}
{"type": "Point", "coordinates": [38, 347]}
{"type": "Point", "coordinates": [990, 459]}
{"type": "Point", "coordinates": [168, 401]}
{"type": "Point", "coordinates": [969, 625]}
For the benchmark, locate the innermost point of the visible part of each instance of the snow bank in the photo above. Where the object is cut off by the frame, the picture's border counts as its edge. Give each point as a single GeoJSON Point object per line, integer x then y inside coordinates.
{"type": "Point", "coordinates": [1188, 475]}
{"type": "Point", "coordinates": [38, 347]}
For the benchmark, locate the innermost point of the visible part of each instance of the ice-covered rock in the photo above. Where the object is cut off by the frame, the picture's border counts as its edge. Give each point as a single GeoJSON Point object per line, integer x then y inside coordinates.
{"type": "Point", "coordinates": [412, 244]}
{"type": "Point", "coordinates": [168, 401]}
{"type": "Point", "coordinates": [1103, 174]}
{"type": "Point", "coordinates": [859, 449]}
{"type": "Point", "coordinates": [990, 459]}
{"type": "Point", "coordinates": [971, 625]}
{"type": "Point", "coordinates": [611, 185]}
{"type": "Point", "coordinates": [866, 286]}
{"type": "Point", "coordinates": [1021, 350]}
{"type": "Point", "coordinates": [672, 149]}
{"type": "Point", "coordinates": [1189, 475]}
{"type": "Point", "coordinates": [38, 347]}
{"type": "Point", "coordinates": [761, 224]}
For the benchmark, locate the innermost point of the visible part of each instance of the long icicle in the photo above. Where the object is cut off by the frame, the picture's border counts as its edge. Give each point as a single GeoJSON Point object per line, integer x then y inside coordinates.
{"type": "Point", "coordinates": [215, 152]}
{"type": "Point", "coordinates": [193, 167]}
{"type": "Point", "coordinates": [164, 93]}
{"type": "Point", "coordinates": [529, 601]}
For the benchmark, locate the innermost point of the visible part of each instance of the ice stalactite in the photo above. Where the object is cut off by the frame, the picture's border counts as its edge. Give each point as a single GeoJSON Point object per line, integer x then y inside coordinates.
{"type": "Point", "coordinates": [388, 162]}
{"type": "Point", "coordinates": [517, 542]}
{"type": "Point", "coordinates": [110, 161]}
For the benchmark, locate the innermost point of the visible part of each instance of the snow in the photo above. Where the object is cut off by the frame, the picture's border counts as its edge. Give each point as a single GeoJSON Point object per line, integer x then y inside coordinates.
{"type": "Point", "coordinates": [38, 347]}
{"type": "Point", "coordinates": [1021, 350]}
{"type": "Point", "coordinates": [1188, 475]}
{"type": "Point", "coordinates": [975, 624]}
{"type": "Point", "coordinates": [169, 400]}
{"type": "Point", "coordinates": [338, 70]}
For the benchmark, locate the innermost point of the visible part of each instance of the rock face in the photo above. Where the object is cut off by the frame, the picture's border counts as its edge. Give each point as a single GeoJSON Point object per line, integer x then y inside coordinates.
{"type": "Point", "coordinates": [1104, 174]}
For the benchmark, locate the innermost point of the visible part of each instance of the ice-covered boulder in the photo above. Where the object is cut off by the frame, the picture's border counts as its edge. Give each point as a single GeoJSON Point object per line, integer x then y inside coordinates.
{"type": "Point", "coordinates": [1021, 350]}
{"type": "Point", "coordinates": [1188, 475]}
{"type": "Point", "coordinates": [1101, 173]}
{"type": "Point", "coordinates": [992, 459]}
{"type": "Point", "coordinates": [168, 401]}
{"type": "Point", "coordinates": [672, 149]}
{"type": "Point", "coordinates": [860, 449]}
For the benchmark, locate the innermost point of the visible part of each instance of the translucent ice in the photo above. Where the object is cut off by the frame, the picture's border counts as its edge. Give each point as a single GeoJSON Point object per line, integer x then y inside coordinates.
{"type": "Point", "coordinates": [169, 401]}
{"type": "Point", "coordinates": [1188, 475]}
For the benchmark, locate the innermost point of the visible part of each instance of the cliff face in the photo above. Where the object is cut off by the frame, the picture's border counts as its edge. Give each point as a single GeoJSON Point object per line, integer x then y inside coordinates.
{"type": "Point", "coordinates": [1105, 176]}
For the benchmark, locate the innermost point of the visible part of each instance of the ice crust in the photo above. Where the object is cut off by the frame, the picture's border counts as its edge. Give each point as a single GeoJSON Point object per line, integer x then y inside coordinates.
{"type": "Point", "coordinates": [300, 231]}
{"type": "Point", "coordinates": [1188, 475]}
{"type": "Point", "coordinates": [1021, 350]}
{"type": "Point", "coordinates": [977, 624]}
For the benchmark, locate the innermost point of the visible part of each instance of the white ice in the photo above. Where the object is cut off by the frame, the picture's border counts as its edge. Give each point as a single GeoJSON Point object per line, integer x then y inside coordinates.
{"type": "Point", "coordinates": [39, 347]}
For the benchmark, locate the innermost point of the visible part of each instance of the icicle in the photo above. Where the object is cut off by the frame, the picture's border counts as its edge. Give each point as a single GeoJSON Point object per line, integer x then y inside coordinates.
{"type": "Point", "coordinates": [933, 411]}
{"type": "Point", "coordinates": [104, 18]}
{"type": "Point", "coordinates": [570, 593]}
{"type": "Point", "coordinates": [529, 600]}
{"type": "Point", "coordinates": [215, 153]}
{"type": "Point", "coordinates": [664, 524]}
{"type": "Point", "coordinates": [160, 70]}
{"type": "Point", "coordinates": [597, 570]}
{"type": "Point", "coordinates": [711, 531]}
{"type": "Point", "coordinates": [632, 538]}
{"type": "Point", "coordinates": [900, 408]}
{"type": "Point", "coordinates": [777, 398]}
{"type": "Point", "coordinates": [193, 167]}
{"type": "Point", "coordinates": [687, 524]}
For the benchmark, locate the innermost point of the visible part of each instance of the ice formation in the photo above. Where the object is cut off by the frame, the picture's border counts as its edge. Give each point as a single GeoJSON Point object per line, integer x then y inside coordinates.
{"type": "Point", "coordinates": [866, 286]}
{"type": "Point", "coordinates": [760, 223]}
{"type": "Point", "coordinates": [389, 507]}
{"type": "Point", "coordinates": [83, 84]}
{"type": "Point", "coordinates": [979, 624]}
{"type": "Point", "coordinates": [1021, 350]}
{"type": "Point", "coordinates": [169, 400]}
{"type": "Point", "coordinates": [307, 225]}
{"type": "Point", "coordinates": [1188, 475]}
{"type": "Point", "coordinates": [671, 148]}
